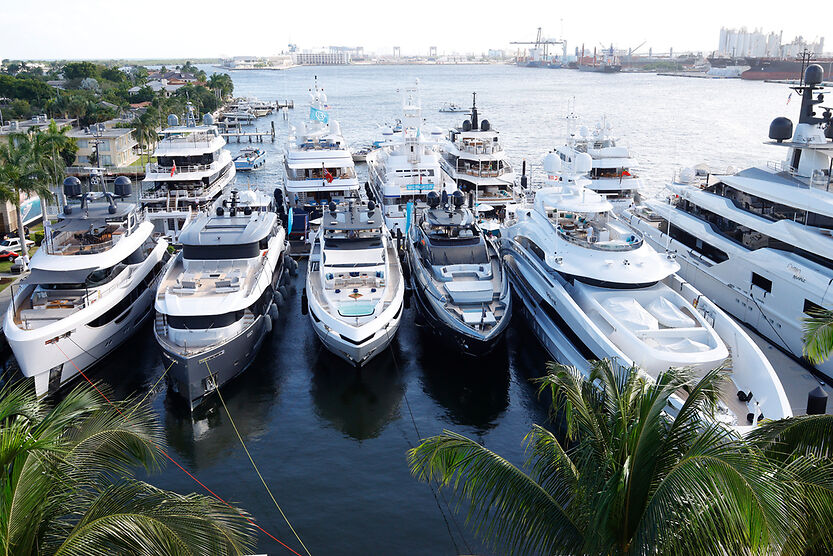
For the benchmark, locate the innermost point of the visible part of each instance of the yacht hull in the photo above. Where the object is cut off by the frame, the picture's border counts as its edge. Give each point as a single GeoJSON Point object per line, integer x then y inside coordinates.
{"type": "Point", "coordinates": [54, 356]}
{"type": "Point", "coordinates": [451, 336]}
{"type": "Point", "coordinates": [357, 354]}
{"type": "Point", "coordinates": [195, 376]}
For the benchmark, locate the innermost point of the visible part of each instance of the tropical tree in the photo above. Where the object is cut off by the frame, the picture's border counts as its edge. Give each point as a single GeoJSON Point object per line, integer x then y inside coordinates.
{"type": "Point", "coordinates": [144, 131]}
{"type": "Point", "coordinates": [221, 83]}
{"type": "Point", "coordinates": [630, 479]}
{"type": "Point", "coordinates": [818, 335]}
{"type": "Point", "coordinates": [68, 485]}
{"type": "Point", "coordinates": [21, 173]}
{"type": "Point", "coordinates": [51, 147]}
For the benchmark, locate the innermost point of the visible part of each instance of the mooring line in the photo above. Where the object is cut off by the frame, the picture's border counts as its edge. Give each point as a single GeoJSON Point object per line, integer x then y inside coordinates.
{"type": "Point", "coordinates": [172, 460]}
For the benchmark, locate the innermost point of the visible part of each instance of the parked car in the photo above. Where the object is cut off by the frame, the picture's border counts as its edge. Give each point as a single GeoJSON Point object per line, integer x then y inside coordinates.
{"type": "Point", "coordinates": [8, 254]}
{"type": "Point", "coordinates": [13, 244]}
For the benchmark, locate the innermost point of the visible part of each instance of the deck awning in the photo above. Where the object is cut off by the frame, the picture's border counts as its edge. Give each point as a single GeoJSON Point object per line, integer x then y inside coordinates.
{"type": "Point", "coordinates": [39, 276]}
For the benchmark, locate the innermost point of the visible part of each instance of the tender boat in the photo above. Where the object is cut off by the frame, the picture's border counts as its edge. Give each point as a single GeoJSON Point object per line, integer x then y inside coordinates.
{"type": "Point", "coordinates": [90, 288]}
{"type": "Point", "coordinates": [405, 169]}
{"type": "Point", "coordinates": [319, 169]}
{"type": "Point", "coordinates": [613, 174]}
{"type": "Point", "coordinates": [250, 158]}
{"type": "Point", "coordinates": [219, 298]}
{"type": "Point", "coordinates": [594, 289]}
{"type": "Point", "coordinates": [473, 155]}
{"type": "Point", "coordinates": [457, 278]}
{"type": "Point", "coordinates": [759, 242]}
{"type": "Point", "coordinates": [355, 289]}
{"type": "Point", "coordinates": [192, 169]}
{"type": "Point", "coordinates": [452, 107]}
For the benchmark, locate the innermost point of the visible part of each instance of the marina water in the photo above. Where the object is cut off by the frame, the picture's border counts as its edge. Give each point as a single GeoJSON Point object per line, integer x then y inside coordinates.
{"type": "Point", "coordinates": [330, 440]}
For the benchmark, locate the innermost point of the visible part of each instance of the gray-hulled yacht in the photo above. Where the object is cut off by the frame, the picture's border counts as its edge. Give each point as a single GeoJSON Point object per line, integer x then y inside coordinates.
{"type": "Point", "coordinates": [220, 297]}
{"type": "Point", "coordinates": [456, 276]}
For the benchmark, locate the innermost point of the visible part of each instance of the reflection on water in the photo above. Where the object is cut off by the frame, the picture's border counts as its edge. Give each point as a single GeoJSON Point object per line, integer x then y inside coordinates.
{"type": "Point", "coordinates": [205, 437]}
{"type": "Point", "coordinates": [475, 392]}
{"type": "Point", "coordinates": [357, 402]}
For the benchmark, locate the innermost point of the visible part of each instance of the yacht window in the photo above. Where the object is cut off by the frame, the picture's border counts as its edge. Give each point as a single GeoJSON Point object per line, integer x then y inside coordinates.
{"type": "Point", "coordinates": [220, 252]}
{"type": "Point", "coordinates": [697, 244]}
{"type": "Point", "coordinates": [204, 322]}
{"type": "Point", "coordinates": [537, 250]}
{"type": "Point", "coordinates": [812, 309]}
{"type": "Point", "coordinates": [763, 283]}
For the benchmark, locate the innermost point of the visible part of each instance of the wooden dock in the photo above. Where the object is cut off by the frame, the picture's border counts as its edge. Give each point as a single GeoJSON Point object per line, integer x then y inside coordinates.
{"type": "Point", "coordinates": [256, 136]}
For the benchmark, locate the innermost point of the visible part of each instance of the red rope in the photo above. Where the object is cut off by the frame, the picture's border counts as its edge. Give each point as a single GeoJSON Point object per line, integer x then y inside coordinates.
{"type": "Point", "coordinates": [250, 520]}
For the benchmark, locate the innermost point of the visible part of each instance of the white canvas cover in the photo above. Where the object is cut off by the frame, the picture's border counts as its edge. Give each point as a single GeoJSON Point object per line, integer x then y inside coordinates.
{"type": "Point", "coordinates": [629, 312]}
{"type": "Point", "coordinates": [670, 315]}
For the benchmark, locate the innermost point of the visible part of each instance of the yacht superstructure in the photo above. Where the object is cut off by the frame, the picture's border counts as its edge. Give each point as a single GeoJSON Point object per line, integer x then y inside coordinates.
{"type": "Point", "coordinates": [407, 168]}
{"type": "Point", "coordinates": [355, 289]}
{"type": "Point", "coordinates": [218, 300]}
{"type": "Point", "coordinates": [474, 157]}
{"type": "Point", "coordinates": [90, 288]}
{"type": "Point", "coordinates": [613, 174]}
{"type": "Point", "coordinates": [759, 242]}
{"type": "Point", "coordinates": [319, 167]}
{"type": "Point", "coordinates": [192, 169]}
{"type": "Point", "coordinates": [457, 277]}
{"type": "Point", "coordinates": [594, 289]}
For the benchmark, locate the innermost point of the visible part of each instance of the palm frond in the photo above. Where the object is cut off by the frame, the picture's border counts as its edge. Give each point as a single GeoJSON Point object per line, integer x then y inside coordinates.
{"type": "Point", "coordinates": [818, 335]}
{"type": "Point", "coordinates": [507, 507]}
{"type": "Point", "coordinates": [803, 435]}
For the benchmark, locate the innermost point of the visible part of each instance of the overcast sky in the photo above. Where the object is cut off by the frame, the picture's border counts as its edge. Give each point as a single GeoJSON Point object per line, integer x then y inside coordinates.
{"type": "Point", "coordinates": [48, 29]}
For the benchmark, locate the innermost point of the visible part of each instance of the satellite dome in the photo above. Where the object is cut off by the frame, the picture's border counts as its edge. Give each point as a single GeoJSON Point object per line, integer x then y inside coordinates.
{"type": "Point", "coordinates": [173, 120]}
{"type": "Point", "coordinates": [433, 199]}
{"type": "Point", "coordinates": [687, 175]}
{"type": "Point", "coordinates": [781, 129]}
{"type": "Point", "coordinates": [583, 131]}
{"type": "Point", "coordinates": [208, 119]}
{"type": "Point", "coordinates": [436, 131]}
{"type": "Point", "coordinates": [814, 74]}
{"type": "Point", "coordinates": [387, 131]}
{"type": "Point", "coordinates": [72, 187]}
{"type": "Point", "coordinates": [552, 164]}
{"type": "Point", "coordinates": [467, 125]}
{"type": "Point", "coordinates": [122, 186]}
{"type": "Point", "coordinates": [485, 125]}
{"type": "Point", "coordinates": [584, 163]}
{"type": "Point", "coordinates": [458, 199]}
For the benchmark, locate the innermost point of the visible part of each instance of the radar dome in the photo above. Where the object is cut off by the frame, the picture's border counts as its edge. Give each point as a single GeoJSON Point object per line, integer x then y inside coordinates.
{"type": "Point", "coordinates": [467, 125]}
{"type": "Point", "coordinates": [433, 199]}
{"type": "Point", "coordinates": [436, 131]}
{"type": "Point", "coordinates": [122, 187]}
{"type": "Point", "coordinates": [208, 119]}
{"type": "Point", "coordinates": [781, 129]}
{"type": "Point", "coordinates": [814, 74]}
{"type": "Point", "coordinates": [485, 125]}
{"type": "Point", "coordinates": [552, 164]}
{"type": "Point", "coordinates": [173, 120]}
{"type": "Point", "coordinates": [687, 175]}
{"type": "Point", "coordinates": [387, 131]}
{"type": "Point", "coordinates": [583, 131]}
{"type": "Point", "coordinates": [72, 187]}
{"type": "Point", "coordinates": [584, 163]}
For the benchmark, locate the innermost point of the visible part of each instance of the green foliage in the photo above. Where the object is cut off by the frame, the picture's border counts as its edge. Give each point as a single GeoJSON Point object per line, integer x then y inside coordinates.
{"type": "Point", "coordinates": [629, 479]}
{"type": "Point", "coordinates": [145, 94]}
{"type": "Point", "coordinates": [202, 99]}
{"type": "Point", "coordinates": [222, 83]}
{"type": "Point", "coordinates": [24, 88]}
{"type": "Point", "coordinates": [81, 70]}
{"type": "Point", "coordinates": [69, 488]}
{"type": "Point", "coordinates": [818, 335]}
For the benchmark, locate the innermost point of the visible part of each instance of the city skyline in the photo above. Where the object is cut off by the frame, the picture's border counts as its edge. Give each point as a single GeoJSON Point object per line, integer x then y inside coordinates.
{"type": "Point", "coordinates": [94, 29]}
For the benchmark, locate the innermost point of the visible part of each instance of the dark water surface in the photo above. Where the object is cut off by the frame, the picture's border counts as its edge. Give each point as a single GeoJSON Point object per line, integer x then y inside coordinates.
{"type": "Point", "coordinates": [330, 440]}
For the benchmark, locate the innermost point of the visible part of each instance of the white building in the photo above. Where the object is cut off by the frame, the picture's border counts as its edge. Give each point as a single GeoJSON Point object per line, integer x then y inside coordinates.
{"type": "Point", "coordinates": [321, 58]}
{"type": "Point", "coordinates": [755, 44]}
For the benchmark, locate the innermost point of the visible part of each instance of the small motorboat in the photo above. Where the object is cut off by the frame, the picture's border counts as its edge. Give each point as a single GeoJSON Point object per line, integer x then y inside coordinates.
{"type": "Point", "coordinates": [453, 108]}
{"type": "Point", "coordinates": [250, 158]}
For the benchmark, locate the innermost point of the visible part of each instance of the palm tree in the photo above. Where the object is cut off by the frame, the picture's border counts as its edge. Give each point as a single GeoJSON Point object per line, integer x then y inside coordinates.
{"type": "Point", "coordinates": [49, 144]}
{"type": "Point", "coordinates": [68, 486]}
{"type": "Point", "coordinates": [818, 335]}
{"type": "Point", "coordinates": [144, 130]}
{"type": "Point", "coordinates": [629, 479]}
{"type": "Point", "coordinates": [21, 173]}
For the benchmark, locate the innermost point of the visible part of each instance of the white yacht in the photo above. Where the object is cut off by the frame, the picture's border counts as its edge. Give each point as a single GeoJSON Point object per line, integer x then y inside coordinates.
{"type": "Point", "coordinates": [474, 157]}
{"type": "Point", "coordinates": [408, 167]}
{"type": "Point", "coordinates": [457, 278]}
{"type": "Point", "coordinates": [90, 288]}
{"type": "Point", "coordinates": [613, 174]}
{"type": "Point", "coordinates": [759, 242]}
{"type": "Point", "coordinates": [594, 289]}
{"type": "Point", "coordinates": [355, 290]}
{"type": "Point", "coordinates": [220, 296]}
{"type": "Point", "coordinates": [452, 107]}
{"type": "Point", "coordinates": [192, 169]}
{"type": "Point", "coordinates": [319, 167]}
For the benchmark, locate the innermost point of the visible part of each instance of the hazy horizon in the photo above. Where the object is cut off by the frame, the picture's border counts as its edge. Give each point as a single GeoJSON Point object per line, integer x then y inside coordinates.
{"type": "Point", "coordinates": [94, 29]}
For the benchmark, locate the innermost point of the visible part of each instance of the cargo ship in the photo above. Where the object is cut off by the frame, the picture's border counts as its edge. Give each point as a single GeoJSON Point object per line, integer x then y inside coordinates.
{"type": "Point", "coordinates": [771, 68]}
